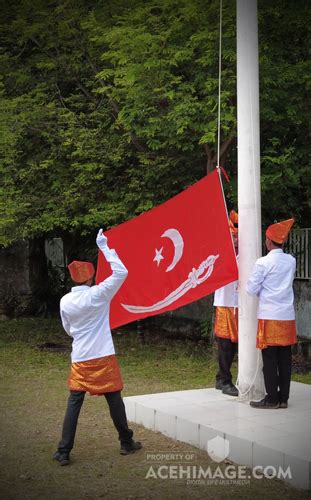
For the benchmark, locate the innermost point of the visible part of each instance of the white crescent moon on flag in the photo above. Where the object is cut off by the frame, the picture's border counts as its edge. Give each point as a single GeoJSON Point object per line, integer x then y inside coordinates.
{"type": "Point", "coordinates": [178, 243]}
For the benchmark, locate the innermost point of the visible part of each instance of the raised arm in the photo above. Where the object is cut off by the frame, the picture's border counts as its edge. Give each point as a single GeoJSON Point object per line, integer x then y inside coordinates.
{"type": "Point", "coordinates": [109, 287]}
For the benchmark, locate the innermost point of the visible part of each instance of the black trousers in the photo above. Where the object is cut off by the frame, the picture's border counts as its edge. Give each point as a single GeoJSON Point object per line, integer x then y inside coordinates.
{"type": "Point", "coordinates": [277, 368]}
{"type": "Point", "coordinates": [226, 352]}
{"type": "Point", "coordinates": [117, 413]}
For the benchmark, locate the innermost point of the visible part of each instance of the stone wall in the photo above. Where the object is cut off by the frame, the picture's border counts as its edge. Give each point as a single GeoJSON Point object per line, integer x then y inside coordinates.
{"type": "Point", "coordinates": [15, 287]}
{"type": "Point", "coordinates": [23, 279]}
{"type": "Point", "coordinates": [302, 290]}
{"type": "Point", "coordinates": [23, 290]}
{"type": "Point", "coordinates": [200, 313]}
{"type": "Point", "coordinates": [193, 321]}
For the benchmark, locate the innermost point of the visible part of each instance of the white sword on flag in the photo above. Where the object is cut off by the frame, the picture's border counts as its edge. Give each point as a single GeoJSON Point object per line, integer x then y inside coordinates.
{"type": "Point", "coordinates": [194, 279]}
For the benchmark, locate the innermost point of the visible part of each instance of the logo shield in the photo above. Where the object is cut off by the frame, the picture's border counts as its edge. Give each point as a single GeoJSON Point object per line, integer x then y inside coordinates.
{"type": "Point", "coordinates": [218, 448]}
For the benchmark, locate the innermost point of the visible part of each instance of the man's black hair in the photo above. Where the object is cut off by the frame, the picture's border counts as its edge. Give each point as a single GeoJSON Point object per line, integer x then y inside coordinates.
{"type": "Point", "coordinates": [279, 245]}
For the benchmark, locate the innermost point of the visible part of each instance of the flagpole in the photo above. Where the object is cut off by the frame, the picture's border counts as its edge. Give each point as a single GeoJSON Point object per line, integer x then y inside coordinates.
{"type": "Point", "coordinates": [250, 379]}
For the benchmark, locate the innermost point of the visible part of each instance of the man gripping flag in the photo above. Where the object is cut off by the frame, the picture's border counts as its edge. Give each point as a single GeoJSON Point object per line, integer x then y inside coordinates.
{"type": "Point", "coordinates": [175, 254]}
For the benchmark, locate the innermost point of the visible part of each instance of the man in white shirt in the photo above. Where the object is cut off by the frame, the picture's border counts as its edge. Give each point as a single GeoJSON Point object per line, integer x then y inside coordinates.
{"type": "Point", "coordinates": [272, 281]}
{"type": "Point", "coordinates": [226, 323]}
{"type": "Point", "coordinates": [94, 367]}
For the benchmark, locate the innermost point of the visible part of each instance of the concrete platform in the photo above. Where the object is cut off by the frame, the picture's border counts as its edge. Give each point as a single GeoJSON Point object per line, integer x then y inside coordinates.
{"type": "Point", "coordinates": [275, 438]}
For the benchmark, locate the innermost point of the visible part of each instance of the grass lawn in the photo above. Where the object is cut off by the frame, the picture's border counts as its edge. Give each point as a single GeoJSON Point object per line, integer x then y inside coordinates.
{"type": "Point", "coordinates": [33, 400]}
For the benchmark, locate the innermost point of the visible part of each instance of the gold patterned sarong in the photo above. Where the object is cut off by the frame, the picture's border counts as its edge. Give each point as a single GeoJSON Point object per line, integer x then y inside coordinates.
{"type": "Point", "coordinates": [226, 323]}
{"type": "Point", "coordinates": [96, 376]}
{"type": "Point", "coordinates": [275, 332]}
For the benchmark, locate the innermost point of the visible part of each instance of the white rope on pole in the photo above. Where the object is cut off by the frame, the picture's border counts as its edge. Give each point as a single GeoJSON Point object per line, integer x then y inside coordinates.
{"type": "Point", "coordinates": [219, 83]}
{"type": "Point", "coordinates": [243, 394]}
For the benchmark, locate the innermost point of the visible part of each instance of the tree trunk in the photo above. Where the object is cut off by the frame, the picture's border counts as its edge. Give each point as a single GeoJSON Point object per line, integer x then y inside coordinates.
{"type": "Point", "coordinates": [211, 154]}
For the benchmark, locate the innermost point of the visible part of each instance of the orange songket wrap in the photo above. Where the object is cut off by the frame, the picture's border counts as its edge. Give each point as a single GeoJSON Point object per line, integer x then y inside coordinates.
{"type": "Point", "coordinates": [226, 323]}
{"type": "Point", "coordinates": [275, 332]}
{"type": "Point", "coordinates": [96, 376]}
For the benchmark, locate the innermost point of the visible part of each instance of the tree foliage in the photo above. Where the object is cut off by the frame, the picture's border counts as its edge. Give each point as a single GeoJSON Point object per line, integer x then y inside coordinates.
{"type": "Point", "coordinates": [285, 69]}
{"type": "Point", "coordinates": [109, 108]}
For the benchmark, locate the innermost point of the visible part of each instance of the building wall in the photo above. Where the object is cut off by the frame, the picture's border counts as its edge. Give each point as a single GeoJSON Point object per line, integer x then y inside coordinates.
{"type": "Point", "coordinates": [14, 278]}
{"type": "Point", "coordinates": [18, 287]}
{"type": "Point", "coordinates": [202, 310]}
{"type": "Point", "coordinates": [23, 279]}
{"type": "Point", "coordinates": [302, 290]}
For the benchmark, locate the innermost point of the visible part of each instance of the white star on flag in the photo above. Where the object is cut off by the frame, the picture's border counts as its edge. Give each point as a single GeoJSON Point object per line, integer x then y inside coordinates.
{"type": "Point", "coordinates": [197, 252]}
{"type": "Point", "coordinates": [158, 256]}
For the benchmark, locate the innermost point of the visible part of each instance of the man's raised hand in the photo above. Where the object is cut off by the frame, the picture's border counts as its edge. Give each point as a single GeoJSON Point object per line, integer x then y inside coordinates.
{"type": "Point", "coordinates": [101, 240]}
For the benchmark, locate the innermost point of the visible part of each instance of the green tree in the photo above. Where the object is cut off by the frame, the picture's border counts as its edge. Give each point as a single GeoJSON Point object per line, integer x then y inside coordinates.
{"type": "Point", "coordinates": [285, 83]}
{"type": "Point", "coordinates": [110, 108]}
{"type": "Point", "coordinates": [61, 154]}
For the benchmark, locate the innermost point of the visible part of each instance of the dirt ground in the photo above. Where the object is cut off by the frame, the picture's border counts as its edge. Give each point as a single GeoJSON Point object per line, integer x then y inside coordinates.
{"type": "Point", "coordinates": [30, 431]}
{"type": "Point", "coordinates": [33, 399]}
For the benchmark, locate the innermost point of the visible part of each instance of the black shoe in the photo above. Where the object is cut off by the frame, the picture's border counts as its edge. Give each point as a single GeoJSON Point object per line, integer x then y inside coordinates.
{"type": "Point", "coordinates": [128, 448]}
{"type": "Point", "coordinates": [62, 458]}
{"type": "Point", "coordinates": [230, 390]}
{"type": "Point", "coordinates": [263, 403]}
{"type": "Point", "coordinates": [283, 404]}
{"type": "Point", "coordinates": [219, 385]}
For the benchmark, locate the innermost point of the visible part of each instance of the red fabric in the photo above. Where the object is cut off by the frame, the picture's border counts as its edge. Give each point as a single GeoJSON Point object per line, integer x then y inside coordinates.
{"type": "Point", "coordinates": [198, 224]}
{"type": "Point", "coordinates": [226, 176]}
{"type": "Point", "coordinates": [80, 271]}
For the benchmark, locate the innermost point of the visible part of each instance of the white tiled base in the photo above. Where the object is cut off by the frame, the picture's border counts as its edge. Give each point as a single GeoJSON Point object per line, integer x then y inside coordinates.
{"type": "Point", "coordinates": [256, 437]}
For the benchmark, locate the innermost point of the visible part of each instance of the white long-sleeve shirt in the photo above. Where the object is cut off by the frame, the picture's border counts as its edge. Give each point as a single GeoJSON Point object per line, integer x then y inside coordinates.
{"type": "Point", "coordinates": [85, 313]}
{"type": "Point", "coordinates": [272, 281]}
{"type": "Point", "coordinates": [227, 296]}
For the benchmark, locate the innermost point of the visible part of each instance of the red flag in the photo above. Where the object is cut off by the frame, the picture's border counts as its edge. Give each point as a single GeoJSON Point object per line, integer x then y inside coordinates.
{"type": "Point", "coordinates": [176, 253]}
